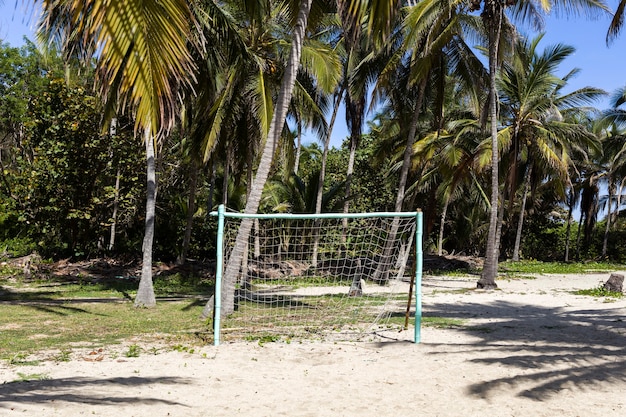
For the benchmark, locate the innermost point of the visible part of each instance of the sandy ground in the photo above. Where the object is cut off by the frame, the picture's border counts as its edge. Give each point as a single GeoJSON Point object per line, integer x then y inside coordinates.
{"type": "Point", "coordinates": [531, 348]}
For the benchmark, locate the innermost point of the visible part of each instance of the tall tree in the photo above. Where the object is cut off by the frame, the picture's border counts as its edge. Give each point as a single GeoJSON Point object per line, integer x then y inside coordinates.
{"type": "Point", "coordinates": [540, 127]}
{"type": "Point", "coordinates": [492, 12]}
{"type": "Point", "coordinates": [382, 10]}
{"type": "Point", "coordinates": [142, 50]}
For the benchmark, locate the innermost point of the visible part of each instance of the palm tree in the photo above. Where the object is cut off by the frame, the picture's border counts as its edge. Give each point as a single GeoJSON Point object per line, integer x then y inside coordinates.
{"type": "Point", "coordinates": [275, 129]}
{"type": "Point", "coordinates": [379, 25]}
{"type": "Point", "coordinates": [433, 41]}
{"type": "Point", "coordinates": [143, 56]}
{"type": "Point", "coordinates": [617, 22]}
{"type": "Point", "coordinates": [435, 38]}
{"type": "Point", "coordinates": [492, 12]}
{"type": "Point", "coordinates": [613, 160]}
{"type": "Point", "coordinates": [541, 128]}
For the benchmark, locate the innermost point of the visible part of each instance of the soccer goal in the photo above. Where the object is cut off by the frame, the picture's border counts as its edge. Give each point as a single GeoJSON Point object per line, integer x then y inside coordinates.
{"type": "Point", "coordinates": [339, 277]}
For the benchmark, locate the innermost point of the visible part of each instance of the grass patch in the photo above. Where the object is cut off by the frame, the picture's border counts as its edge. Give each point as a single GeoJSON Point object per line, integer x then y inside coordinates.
{"type": "Point", "coordinates": [442, 322]}
{"type": "Point", "coordinates": [515, 277]}
{"type": "Point", "coordinates": [599, 292]}
{"type": "Point", "coordinates": [537, 267]}
{"type": "Point", "coordinates": [30, 377]}
{"type": "Point", "coordinates": [34, 326]}
{"type": "Point", "coordinates": [133, 351]}
{"type": "Point", "coordinates": [454, 291]}
{"type": "Point", "coordinates": [21, 359]}
{"type": "Point", "coordinates": [82, 287]}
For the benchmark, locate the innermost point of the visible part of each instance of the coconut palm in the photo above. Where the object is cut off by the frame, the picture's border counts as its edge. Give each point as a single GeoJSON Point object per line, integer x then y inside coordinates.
{"type": "Point", "coordinates": [433, 41]}
{"type": "Point", "coordinates": [143, 56]}
{"type": "Point", "coordinates": [493, 15]}
{"type": "Point", "coordinates": [541, 129]}
{"type": "Point", "coordinates": [613, 160]}
{"type": "Point", "coordinates": [382, 10]}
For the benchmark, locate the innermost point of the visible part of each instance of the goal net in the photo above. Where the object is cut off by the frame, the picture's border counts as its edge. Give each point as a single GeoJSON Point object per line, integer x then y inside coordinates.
{"type": "Point", "coordinates": [332, 277]}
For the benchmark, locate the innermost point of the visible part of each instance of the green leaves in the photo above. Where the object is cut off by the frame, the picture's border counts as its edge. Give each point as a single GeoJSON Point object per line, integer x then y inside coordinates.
{"type": "Point", "coordinates": [142, 50]}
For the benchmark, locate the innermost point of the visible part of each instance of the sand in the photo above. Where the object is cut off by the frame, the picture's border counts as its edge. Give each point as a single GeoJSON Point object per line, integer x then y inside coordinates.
{"type": "Point", "coordinates": [531, 348]}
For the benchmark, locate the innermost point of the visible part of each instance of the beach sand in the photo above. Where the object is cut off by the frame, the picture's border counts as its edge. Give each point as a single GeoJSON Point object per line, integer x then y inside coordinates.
{"type": "Point", "coordinates": [530, 348]}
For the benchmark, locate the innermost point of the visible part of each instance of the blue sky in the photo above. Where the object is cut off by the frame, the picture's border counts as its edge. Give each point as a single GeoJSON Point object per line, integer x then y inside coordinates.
{"type": "Point", "coordinates": [601, 66]}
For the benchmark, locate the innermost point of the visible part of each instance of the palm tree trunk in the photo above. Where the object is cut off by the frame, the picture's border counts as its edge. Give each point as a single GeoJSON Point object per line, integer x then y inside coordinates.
{"type": "Point", "coordinates": [145, 294]}
{"type": "Point", "coordinates": [578, 233]}
{"type": "Point", "coordinates": [191, 209]}
{"type": "Point", "coordinates": [296, 164]}
{"type": "Point", "coordinates": [568, 230]}
{"type": "Point", "coordinates": [252, 204]}
{"type": "Point", "coordinates": [320, 184]}
{"type": "Point", "coordinates": [618, 202]}
{"type": "Point", "coordinates": [382, 271]}
{"type": "Point", "coordinates": [441, 226]}
{"type": "Point", "coordinates": [225, 179]}
{"type": "Point", "coordinates": [408, 150]}
{"type": "Point", "coordinates": [116, 203]}
{"type": "Point", "coordinates": [212, 185]}
{"type": "Point", "coordinates": [605, 241]}
{"type": "Point", "coordinates": [490, 268]}
{"type": "Point", "coordinates": [520, 224]}
{"type": "Point", "coordinates": [349, 173]}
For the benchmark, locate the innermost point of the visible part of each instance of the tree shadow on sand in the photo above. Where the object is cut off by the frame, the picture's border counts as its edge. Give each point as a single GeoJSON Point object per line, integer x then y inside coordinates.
{"type": "Point", "coordinates": [546, 349]}
{"type": "Point", "coordinates": [61, 390]}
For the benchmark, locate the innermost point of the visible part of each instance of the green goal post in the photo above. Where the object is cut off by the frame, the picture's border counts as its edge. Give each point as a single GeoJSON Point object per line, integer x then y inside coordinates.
{"type": "Point", "coordinates": [416, 280]}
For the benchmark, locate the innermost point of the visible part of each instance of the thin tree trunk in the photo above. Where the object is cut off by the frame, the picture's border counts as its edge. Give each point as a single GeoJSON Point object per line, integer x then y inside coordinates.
{"type": "Point", "coordinates": [381, 274]}
{"type": "Point", "coordinates": [296, 164]}
{"type": "Point", "coordinates": [500, 224]}
{"type": "Point", "coordinates": [191, 209]}
{"type": "Point", "coordinates": [568, 230]}
{"type": "Point", "coordinates": [212, 185]}
{"type": "Point", "coordinates": [441, 226]}
{"type": "Point", "coordinates": [250, 179]}
{"type": "Point", "coordinates": [580, 223]}
{"type": "Point", "coordinates": [520, 224]}
{"type": "Point", "coordinates": [605, 241]}
{"type": "Point", "coordinates": [252, 205]}
{"type": "Point", "coordinates": [225, 179]}
{"type": "Point", "coordinates": [408, 150]}
{"type": "Point", "coordinates": [349, 173]}
{"type": "Point", "coordinates": [618, 202]}
{"type": "Point", "coordinates": [116, 203]}
{"type": "Point", "coordinates": [320, 185]}
{"type": "Point", "coordinates": [490, 268]}
{"type": "Point", "coordinates": [145, 294]}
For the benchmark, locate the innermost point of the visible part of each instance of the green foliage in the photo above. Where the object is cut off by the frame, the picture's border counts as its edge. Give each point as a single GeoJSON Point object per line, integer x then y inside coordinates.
{"type": "Point", "coordinates": [600, 291]}
{"type": "Point", "coordinates": [371, 190]}
{"type": "Point", "coordinates": [31, 377]}
{"type": "Point", "coordinates": [21, 358]}
{"type": "Point", "coordinates": [262, 339]}
{"type": "Point", "coordinates": [543, 239]}
{"type": "Point", "coordinates": [182, 284]}
{"type": "Point", "coordinates": [16, 246]}
{"type": "Point", "coordinates": [133, 351]}
{"type": "Point", "coordinates": [68, 190]}
{"type": "Point", "coordinates": [539, 267]}
{"type": "Point", "coordinates": [64, 355]}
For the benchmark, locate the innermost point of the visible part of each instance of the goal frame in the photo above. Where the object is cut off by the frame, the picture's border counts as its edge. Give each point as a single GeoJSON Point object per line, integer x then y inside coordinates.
{"type": "Point", "coordinates": [222, 214]}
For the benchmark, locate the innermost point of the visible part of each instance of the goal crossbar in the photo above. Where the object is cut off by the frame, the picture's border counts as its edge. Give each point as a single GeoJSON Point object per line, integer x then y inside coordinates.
{"type": "Point", "coordinates": [415, 294]}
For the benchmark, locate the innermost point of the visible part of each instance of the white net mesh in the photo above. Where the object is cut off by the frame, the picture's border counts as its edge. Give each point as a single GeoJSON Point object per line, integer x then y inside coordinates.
{"type": "Point", "coordinates": [315, 279]}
